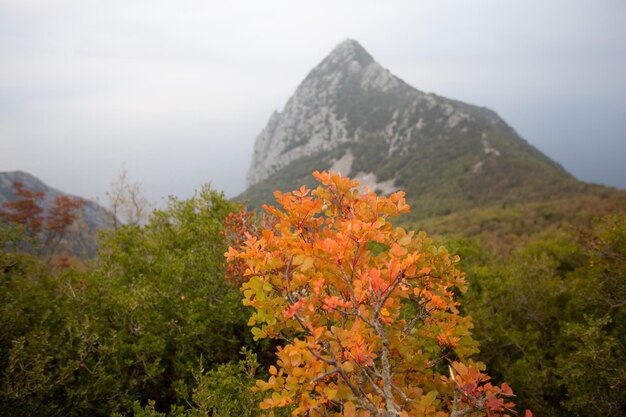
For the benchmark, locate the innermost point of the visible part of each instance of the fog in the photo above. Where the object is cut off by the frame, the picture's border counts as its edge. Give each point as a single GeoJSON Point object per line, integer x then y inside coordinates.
{"type": "Point", "coordinates": [178, 91]}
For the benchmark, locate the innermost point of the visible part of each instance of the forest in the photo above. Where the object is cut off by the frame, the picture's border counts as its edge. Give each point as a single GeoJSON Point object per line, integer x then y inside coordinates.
{"type": "Point", "coordinates": [315, 306]}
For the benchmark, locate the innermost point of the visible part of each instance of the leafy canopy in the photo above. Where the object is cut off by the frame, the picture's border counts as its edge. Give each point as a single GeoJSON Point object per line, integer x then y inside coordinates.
{"type": "Point", "coordinates": [559, 305]}
{"type": "Point", "coordinates": [129, 331]}
{"type": "Point", "coordinates": [366, 311]}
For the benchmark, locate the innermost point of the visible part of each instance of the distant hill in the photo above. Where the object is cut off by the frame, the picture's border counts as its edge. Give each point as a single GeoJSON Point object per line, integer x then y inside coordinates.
{"type": "Point", "coordinates": [92, 219]}
{"type": "Point", "coordinates": [353, 116]}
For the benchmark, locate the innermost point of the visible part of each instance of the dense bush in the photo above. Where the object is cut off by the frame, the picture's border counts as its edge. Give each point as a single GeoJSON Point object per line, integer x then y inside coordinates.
{"type": "Point", "coordinates": [132, 329]}
{"type": "Point", "coordinates": [151, 328]}
{"type": "Point", "coordinates": [551, 319]}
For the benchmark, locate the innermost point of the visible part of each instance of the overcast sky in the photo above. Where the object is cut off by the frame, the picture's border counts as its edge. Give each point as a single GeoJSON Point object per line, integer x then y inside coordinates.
{"type": "Point", "coordinates": [178, 90]}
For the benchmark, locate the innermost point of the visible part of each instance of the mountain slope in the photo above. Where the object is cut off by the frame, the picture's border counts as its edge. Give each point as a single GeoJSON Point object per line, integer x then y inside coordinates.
{"type": "Point", "coordinates": [93, 217]}
{"type": "Point", "coordinates": [353, 116]}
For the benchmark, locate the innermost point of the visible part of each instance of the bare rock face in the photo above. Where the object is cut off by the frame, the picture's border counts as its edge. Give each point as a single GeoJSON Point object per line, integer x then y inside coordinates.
{"type": "Point", "coordinates": [352, 115]}
{"type": "Point", "coordinates": [310, 121]}
{"type": "Point", "coordinates": [349, 95]}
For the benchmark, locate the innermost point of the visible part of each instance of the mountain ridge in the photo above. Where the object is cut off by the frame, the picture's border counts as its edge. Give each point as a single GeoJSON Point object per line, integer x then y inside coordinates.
{"type": "Point", "coordinates": [352, 115]}
{"type": "Point", "coordinates": [93, 216]}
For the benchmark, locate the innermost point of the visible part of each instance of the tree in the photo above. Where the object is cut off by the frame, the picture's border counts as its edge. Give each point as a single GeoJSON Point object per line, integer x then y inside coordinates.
{"type": "Point", "coordinates": [592, 368]}
{"type": "Point", "coordinates": [133, 328]}
{"type": "Point", "coordinates": [166, 301]}
{"type": "Point", "coordinates": [127, 202]}
{"type": "Point", "coordinates": [366, 311]}
{"type": "Point", "coordinates": [26, 210]}
{"type": "Point", "coordinates": [238, 227]}
{"type": "Point", "coordinates": [551, 319]}
{"type": "Point", "coordinates": [51, 225]}
{"type": "Point", "coordinates": [62, 215]}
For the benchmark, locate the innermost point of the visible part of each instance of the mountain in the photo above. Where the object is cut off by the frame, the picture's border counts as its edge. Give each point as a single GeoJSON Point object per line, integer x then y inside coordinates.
{"type": "Point", "coordinates": [93, 217]}
{"type": "Point", "coordinates": [353, 116]}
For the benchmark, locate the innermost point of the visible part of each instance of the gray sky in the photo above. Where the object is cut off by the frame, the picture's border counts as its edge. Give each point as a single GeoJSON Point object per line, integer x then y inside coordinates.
{"type": "Point", "coordinates": [178, 90]}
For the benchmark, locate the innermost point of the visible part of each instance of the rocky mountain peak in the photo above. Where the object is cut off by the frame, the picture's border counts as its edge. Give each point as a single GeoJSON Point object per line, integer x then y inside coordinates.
{"type": "Point", "coordinates": [353, 116]}
{"type": "Point", "coordinates": [314, 118]}
{"type": "Point", "coordinates": [349, 62]}
{"type": "Point", "coordinates": [347, 53]}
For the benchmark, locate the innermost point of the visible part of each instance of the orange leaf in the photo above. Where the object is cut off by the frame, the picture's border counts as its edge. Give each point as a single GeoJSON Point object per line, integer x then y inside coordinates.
{"type": "Point", "coordinates": [349, 410]}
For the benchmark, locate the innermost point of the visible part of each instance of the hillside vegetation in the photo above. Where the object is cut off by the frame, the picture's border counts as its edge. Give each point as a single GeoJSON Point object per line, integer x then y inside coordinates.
{"type": "Point", "coordinates": [153, 328]}
{"type": "Point", "coordinates": [336, 302]}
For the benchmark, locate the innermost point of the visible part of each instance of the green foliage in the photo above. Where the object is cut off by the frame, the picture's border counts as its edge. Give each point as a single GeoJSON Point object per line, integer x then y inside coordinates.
{"type": "Point", "coordinates": [223, 391]}
{"type": "Point", "coordinates": [592, 369]}
{"type": "Point", "coordinates": [505, 227]}
{"type": "Point", "coordinates": [128, 335]}
{"type": "Point", "coordinates": [42, 338]}
{"type": "Point", "coordinates": [290, 177]}
{"type": "Point", "coordinates": [130, 330]}
{"type": "Point", "coordinates": [551, 320]}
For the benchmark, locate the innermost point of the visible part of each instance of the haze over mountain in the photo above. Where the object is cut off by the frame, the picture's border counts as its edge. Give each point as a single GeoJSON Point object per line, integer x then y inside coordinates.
{"type": "Point", "coordinates": [352, 115]}
{"type": "Point", "coordinates": [92, 219]}
{"type": "Point", "coordinates": [179, 91]}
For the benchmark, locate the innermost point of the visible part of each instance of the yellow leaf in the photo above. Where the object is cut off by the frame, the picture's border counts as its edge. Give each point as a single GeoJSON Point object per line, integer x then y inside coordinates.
{"type": "Point", "coordinates": [331, 393]}
{"type": "Point", "coordinates": [298, 259]}
{"type": "Point", "coordinates": [306, 264]}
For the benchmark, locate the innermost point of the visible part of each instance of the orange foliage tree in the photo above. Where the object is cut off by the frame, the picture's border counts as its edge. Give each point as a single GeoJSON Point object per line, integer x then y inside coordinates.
{"type": "Point", "coordinates": [365, 310]}
{"type": "Point", "coordinates": [25, 210]}
{"type": "Point", "coordinates": [54, 225]}
{"type": "Point", "coordinates": [238, 227]}
{"type": "Point", "coordinates": [61, 216]}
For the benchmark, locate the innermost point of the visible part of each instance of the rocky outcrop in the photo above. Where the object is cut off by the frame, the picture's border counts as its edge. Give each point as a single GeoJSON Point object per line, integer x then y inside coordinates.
{"type": "Point", "coordinates": [354, 116]}
{"type": "Point", "coordinates": [310, 121]}
{"type": "Point", "coordinates": [327, 108]}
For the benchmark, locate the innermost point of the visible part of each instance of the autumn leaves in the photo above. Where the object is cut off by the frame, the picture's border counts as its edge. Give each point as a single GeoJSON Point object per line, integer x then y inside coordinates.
{"type": "Point", "coordinates": [366, 311]}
